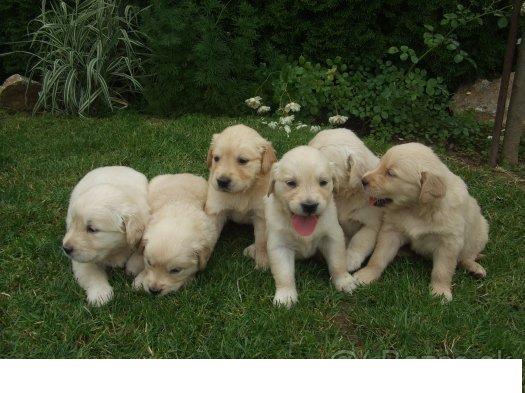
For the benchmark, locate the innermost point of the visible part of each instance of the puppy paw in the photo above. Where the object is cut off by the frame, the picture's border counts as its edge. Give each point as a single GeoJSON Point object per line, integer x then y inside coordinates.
{"type": "Point", "coordinates": [345, 283]}
{"type": "Point", "coordinates": [137, 283]}
{"type": "Point", "coordinates": [366, 275]}
{"type": "Point", "coordinates": [99, 295]}
{"type": "Point", "coordinates": [285, 297]}
{"type": "Point", "coordinates": [442, 291]}
{"type": "Point", "coordinates": [249, 251]}
{"type": "Point", "coordinates": [353, 263]}
{"type": "Point", "coordinates": [477, 270]}
{"type": "Point", "coordinates": [134, 265]}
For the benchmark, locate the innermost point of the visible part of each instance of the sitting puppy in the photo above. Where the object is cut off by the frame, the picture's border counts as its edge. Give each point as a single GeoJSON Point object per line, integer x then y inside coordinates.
{"type": "Point", "coordinates": [428, 207]}
{"type": "Point", "coordinates": [301, 217]}
{"type": "Point", "coordinates": [107, 214]}
{"type": "Point", "coordinates": [239, 160]}
{"type": "Point", "coordinates": [352, 159]}
{"type": "Point", "coordinates": [179, 237]}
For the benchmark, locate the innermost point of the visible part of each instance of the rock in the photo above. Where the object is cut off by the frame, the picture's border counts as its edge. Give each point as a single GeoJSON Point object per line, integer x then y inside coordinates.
{"type": "Point", "coordinates": [481, 97]}
{"type": "Point", "coordinates": [15, 94]}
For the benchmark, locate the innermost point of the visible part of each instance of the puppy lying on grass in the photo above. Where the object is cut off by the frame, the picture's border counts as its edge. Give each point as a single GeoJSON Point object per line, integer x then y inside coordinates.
{"type": "Point", "coordinates": [360, 221]}
{"type": "Point", "coordinates": [105, 220]}
{"type": "Point", "coordinates": [428, 207]}
{"type": "Point", "coordinates": [239, 160]}
{"type": "Point", "coordinates": [179, 237]}
{"type": "Point", "coordinates": [302, 219]}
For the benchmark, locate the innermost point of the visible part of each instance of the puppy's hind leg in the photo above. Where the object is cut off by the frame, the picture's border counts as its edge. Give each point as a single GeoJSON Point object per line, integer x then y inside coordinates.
{"type": "Point", "coordinates": [470, 265]}
{"type": "Point", "coordinates": [361, 245]}
{"type": "Point", "coordinates": [94, 280]}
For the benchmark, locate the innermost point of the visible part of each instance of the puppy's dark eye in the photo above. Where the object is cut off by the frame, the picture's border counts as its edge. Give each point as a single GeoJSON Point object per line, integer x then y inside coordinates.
{"type": "Point", "coordinates": [175, 270]}
{"type": "Point", "coordinates": [242, 161]}
{"type": "Point", "coordinates": [91, 229]}
{"type": "Point", "coordinates": [291, 183]}
{"type": "Point", "coordinates": [216, 158]}
{"type": "Point", "coordinates": [323, 182]}
{"type": "Point", "coordinates": [390, 173]}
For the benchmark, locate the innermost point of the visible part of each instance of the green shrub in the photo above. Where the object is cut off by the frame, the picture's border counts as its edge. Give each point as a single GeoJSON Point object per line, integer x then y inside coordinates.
{"type": "Point", "coordinates": [204, 56]}
{"type": "Point", "coordinates": [87, 54]}
{"type": "Point", "coordinates": [390, 101]}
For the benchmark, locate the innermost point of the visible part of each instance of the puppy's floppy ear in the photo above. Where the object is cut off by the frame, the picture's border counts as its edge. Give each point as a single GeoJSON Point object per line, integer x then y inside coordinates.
{"type": "Point", "coordinates": [203, 255]}
{"type": "Point", "coordinates": [135, 225]}
{"type": "Point", "coordinates": [432, 187]}
{"type": "Point", "coordinates": [268, 158]}
{"type": "Point", "coordinates": [274, 169]}
{"type": "Point", "coordinates": [210, 151]}
{"type": "Point", "coordinates": [335, 175]}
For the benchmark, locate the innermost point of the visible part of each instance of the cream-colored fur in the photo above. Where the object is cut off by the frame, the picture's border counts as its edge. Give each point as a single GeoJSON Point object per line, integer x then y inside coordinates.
{"type": "Point", "coordinates": [240, 155]}
{"type": "Point", "coordinates": [179, 237]}
{"type": "Point", "coordinates": [106, 217]}
{"type": "Point", "coordinates": [303, 175]}
{"type": "Point", "coordinates": [428, 207]}
{"type": "Point", "coordinates": [360, 221]}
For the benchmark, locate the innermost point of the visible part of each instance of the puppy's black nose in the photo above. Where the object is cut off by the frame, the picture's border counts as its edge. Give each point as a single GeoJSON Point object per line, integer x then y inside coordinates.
{"type": "Point", "coordinates": [223, 182]}
{"type": "Point", "coordinates": [364, 182]}
{"type": "Point", "coordinates": [309, 207]}
{"type": "Point", "coordinates": [154, 291]}
{"type": "Point", "coordinates": [67, 249]}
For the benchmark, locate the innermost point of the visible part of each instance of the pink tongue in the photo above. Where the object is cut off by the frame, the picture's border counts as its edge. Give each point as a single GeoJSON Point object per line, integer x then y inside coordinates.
{"type": "Point", "coordinates": [372, 201]}
{"type": "Point", "coordinates": [304, 226]}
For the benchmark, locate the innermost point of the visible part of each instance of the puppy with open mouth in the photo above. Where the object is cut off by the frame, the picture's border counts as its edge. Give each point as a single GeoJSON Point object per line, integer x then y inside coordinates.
{"type": "Point", "coordinates": [302, 219]}
{"type": "Point", "coordinates": [179, 237]}
{"type": "Point", "coordinates": [107, 214]}
{"type": "Point", "coordinates": [239, 160]}
{"type": "Point", "coordinates": [428, 207]}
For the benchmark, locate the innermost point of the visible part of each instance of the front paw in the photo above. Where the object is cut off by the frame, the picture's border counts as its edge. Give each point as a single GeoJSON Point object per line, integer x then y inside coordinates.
{"type": "Point", "coordinates": [259, 255]}
{"type": "Point", "coordinates": [285, 297]}
{"type": "Point", "coordinates": [366, 275]}
{"type": "Point", "coordinates": [249, 251]}
{"type": "Point", "coordinates": [353, 262]}
{"type": "Point", "coordinates": [138, 282]}
{"type": "Point", "coordinates": [99, 295]}
{"type": "Point", "coordinates": [442, 291]}
{"type": "Point", "coordinates": [345, 283]}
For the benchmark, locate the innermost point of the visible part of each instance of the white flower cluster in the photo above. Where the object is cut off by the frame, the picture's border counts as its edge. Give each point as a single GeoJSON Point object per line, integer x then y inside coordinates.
{"type": "Point", "coordinates": [292, 107]}
{"type": "Point", "coordinates": [337, 120]}
{"type": "Point", "coordinates": [254, 102]}
{"type": "Point", "coordinates": [286, 122]}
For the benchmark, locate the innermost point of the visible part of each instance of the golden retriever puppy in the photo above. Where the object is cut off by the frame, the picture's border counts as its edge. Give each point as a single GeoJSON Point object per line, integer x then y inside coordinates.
{"type": "Point", "coordinates": [239, 160]}
{"type": "Point", "coordinates": [301, 217]}
{"type": "Point", "coordinates": [360, 221]}
{"type": "Point", "coordinates": [429, 208]}
{"type": "Point", "coordinates": [107, 214]}
{"type": "Point", "coordinates": [179, 237]}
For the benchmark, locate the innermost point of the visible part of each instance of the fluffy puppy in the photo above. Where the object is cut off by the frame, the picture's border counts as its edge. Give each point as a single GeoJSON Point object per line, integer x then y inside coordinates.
{"type": "Point", "coordinates": [239, 160]}
{"type": "Point", "coordinates": [179, 237]}
{"type": "Point", "coordinates": [107, 215]}
{"type": "Point", "coordinates": [360, 221]}
{"type": "Point", "coordinates": [428, 207]}
{"type": "Point", "coordinates": [302, 219]}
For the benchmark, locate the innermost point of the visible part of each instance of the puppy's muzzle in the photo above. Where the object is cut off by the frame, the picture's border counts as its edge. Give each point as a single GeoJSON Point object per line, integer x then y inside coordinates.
{"type": "Point", "coordinates": [154, 290]}
{"type": "Point", "coordinates": [68, 250]}
{"type": "Point", "coordinates": [309, 207]}
{"type": "Point", "coordinates": [224, 182]}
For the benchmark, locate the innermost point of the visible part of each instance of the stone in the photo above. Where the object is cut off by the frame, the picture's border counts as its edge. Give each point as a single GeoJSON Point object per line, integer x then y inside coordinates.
{"type": "Point", "coordinates": [480, 97]}
{"type": "Point", "coordinates": [15, 94]}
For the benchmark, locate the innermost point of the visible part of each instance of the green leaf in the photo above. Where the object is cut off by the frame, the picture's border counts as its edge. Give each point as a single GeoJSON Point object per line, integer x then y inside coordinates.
{"type": "Point", "coordinates": [429, 27]}
{"type": "Point", "coordinates": [458, 58]}
{"type": "Point", "coordinates": [502, 22]}
{"type": "Point", "coordinates": [392, 50]}
{"type": "Point", "coordinates": [403, 56]}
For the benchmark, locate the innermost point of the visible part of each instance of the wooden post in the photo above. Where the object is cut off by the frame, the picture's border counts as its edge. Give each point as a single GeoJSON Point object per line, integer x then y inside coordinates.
{"type": "Point", "coordinates": [505, 76]}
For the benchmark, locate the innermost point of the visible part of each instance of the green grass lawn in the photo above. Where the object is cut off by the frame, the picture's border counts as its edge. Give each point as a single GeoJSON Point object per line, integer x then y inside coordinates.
{"type": "Point", "coordinates": [227, 311]}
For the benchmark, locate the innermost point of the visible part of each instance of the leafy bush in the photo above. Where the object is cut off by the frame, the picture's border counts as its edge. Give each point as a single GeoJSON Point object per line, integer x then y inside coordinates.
{"type": "Point", "coordinates": [204, 56]}
{"type": "Point", "coordinates": [390, 101]}
{"type": "Point", "coordinates": [87, 54]}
